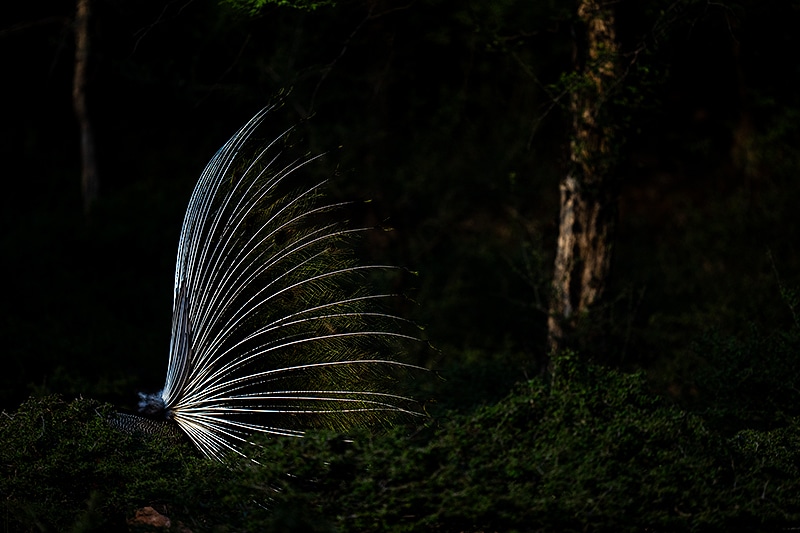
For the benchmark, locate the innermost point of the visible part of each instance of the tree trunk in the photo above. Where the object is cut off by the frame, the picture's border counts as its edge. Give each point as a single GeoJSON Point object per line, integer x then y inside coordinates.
{"type": "Point", "coordinates": [89, 179]}
{"type": "Point", "coordinates": [589, 191]}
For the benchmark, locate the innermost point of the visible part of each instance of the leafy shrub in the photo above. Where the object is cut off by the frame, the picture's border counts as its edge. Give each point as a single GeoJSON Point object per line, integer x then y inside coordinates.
{"type": "Point", "coordinates": [587, 449]}
{"type": "Point", "coordinates": [750, 381]}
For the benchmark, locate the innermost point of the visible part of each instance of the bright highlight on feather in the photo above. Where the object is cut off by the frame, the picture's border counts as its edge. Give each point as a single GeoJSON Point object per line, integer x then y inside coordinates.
{"type": "Point", "coordinates": [274, 330]}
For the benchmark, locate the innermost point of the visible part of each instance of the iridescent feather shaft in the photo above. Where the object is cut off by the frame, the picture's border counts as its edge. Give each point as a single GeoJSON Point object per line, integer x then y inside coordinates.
{"type": "Point", "coordinates": [274, 329]}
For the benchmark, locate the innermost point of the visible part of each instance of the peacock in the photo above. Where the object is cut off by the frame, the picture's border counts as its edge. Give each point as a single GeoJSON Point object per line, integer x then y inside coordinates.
{"type": "Point", "coordinates": [275, 328]}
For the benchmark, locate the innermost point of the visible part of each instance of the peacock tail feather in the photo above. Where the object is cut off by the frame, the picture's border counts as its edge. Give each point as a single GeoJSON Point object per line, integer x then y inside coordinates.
{"type": "Point", "coordinates": [275, 329]}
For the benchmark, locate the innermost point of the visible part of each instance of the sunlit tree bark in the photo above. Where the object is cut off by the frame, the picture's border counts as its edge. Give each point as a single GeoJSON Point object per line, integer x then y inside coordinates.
{"type": "Point", "coordinates": [588, 192]}
{"type": "Point", "coordinates": [89, 180]}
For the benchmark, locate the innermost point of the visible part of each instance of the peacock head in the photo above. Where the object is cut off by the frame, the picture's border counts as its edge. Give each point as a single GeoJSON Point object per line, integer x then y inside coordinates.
{"type": "Point", "coordinates": [153, 405]}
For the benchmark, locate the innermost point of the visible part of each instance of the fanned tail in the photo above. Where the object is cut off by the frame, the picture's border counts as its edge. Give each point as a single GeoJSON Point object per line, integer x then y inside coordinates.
{"type": "Point", "coordinates": [274, 328]}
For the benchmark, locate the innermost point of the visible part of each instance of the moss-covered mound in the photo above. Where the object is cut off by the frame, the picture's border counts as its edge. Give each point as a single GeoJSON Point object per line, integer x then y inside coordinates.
{"type": "Point", "coordinates": [588, 449]}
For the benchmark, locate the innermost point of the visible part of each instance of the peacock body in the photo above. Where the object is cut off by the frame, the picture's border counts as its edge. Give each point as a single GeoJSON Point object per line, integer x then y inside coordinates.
{"type": "Point", "coordinates": [274, 328]}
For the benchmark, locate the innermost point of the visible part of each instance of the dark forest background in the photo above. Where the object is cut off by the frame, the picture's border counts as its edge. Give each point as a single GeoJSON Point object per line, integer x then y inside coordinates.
{"type": "Point", "coordinates": [449, 116]}
{"type": "Point", "coordinates": [676, 406]}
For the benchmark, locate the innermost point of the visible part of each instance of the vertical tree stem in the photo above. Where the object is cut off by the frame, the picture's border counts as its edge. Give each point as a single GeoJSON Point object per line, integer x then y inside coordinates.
{"type": "Point", "coordinates": [89, 180]}
{"type": "Point", "coordinates": [588, 192]}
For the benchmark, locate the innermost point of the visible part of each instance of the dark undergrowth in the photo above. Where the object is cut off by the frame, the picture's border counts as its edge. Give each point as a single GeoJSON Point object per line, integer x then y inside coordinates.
{"type": "Point", "coordinates": [584, 449]}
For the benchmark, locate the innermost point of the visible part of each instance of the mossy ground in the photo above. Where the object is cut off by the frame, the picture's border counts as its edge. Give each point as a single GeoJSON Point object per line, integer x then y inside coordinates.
{"type": "Point", "coordinates": [585, 449]}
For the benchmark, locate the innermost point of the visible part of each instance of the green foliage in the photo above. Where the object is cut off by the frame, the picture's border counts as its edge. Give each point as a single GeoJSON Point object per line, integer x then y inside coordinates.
{"type": "Point", "coordinates": [750, 381]}
{"type": "Point", "coordinates": [63, 465]}
{"type": "Point", "coordinates": [586, 449]}
{"type": "Point", "coordinates": [253, 7]}
{"type": "Point", "coordinates": [591, 449]}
